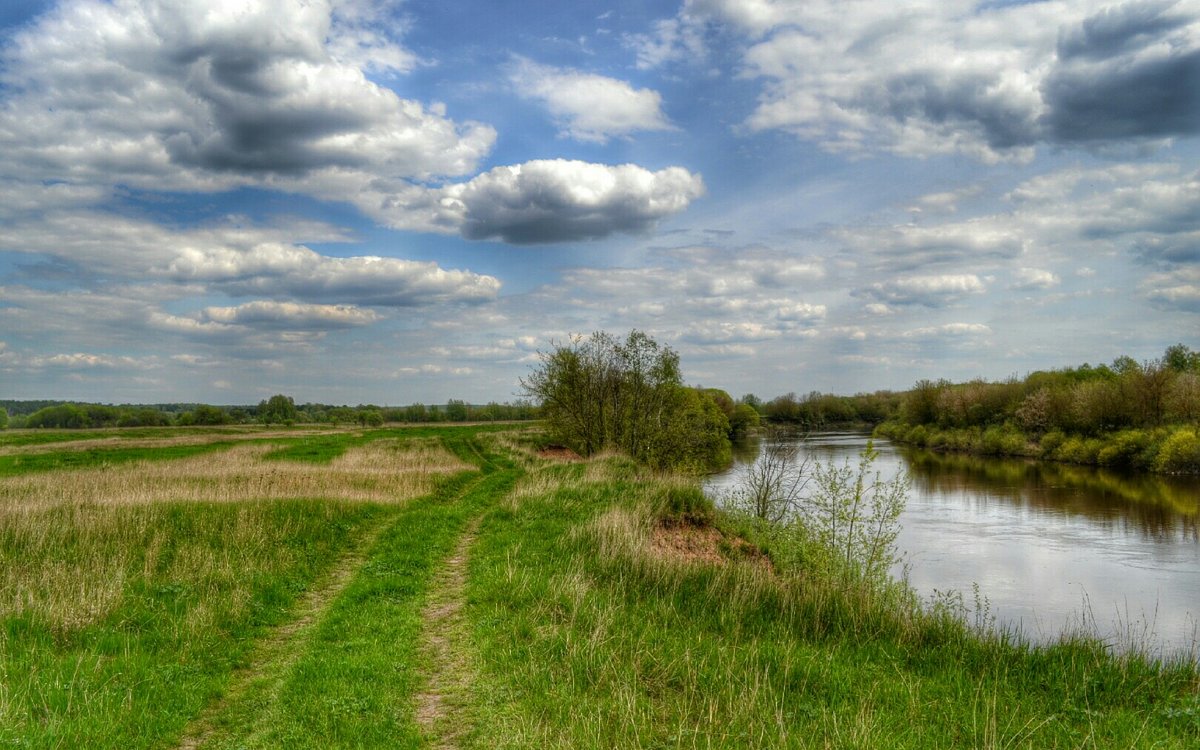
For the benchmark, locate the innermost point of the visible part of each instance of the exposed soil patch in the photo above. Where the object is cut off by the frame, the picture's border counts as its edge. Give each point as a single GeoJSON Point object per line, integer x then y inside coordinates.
{"type": "Point", "coordinates": [559, 453]}
{"type": "Point", "coordinates": [704, 544]}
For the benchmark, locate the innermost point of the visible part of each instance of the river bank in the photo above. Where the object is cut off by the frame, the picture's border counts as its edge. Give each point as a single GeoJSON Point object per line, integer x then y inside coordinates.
{"type": "Point", "coordinates": [1163, 450]}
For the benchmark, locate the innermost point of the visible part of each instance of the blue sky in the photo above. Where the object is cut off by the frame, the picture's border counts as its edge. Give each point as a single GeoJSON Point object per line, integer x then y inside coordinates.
{"type": "Point", "coordinates": [382, 201]}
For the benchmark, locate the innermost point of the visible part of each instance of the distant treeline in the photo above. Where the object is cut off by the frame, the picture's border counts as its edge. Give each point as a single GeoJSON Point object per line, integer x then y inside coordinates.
{"type": "Point", "coordinates": [1128, 414]}
{"type": "Point", "coordinates": [1141, 415]}
{"type": "Point", "coordinates": [279, 409]}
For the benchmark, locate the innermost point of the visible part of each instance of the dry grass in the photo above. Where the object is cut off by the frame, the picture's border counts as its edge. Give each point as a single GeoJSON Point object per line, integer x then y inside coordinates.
{"type": "Point", "coordinates": [71, 540]}
{"type": "Point", "coordinates": [384, 471]}
{"type": "Point", "coordinates": [90, 442]}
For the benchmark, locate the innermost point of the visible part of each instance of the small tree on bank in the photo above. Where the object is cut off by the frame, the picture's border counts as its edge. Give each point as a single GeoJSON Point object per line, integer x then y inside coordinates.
{"type": "Point", "coordinates": [597, 392]}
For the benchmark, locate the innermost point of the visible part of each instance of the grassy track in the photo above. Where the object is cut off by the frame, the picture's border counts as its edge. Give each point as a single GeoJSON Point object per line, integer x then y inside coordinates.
{"type": "Point", "coordinates": [120, 622]}
{"type": "Point", "coordinates": [356, 683]}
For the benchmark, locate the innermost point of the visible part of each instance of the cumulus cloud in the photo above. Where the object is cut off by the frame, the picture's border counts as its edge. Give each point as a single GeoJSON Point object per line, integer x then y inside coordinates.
{"type": "Point", "coordinates": [1176, 290]}
{"type": "Point", "coordinates": [291, 315]}
{"type": "Point", "coordinates": [241, 261]}
{"type": "Point", "coordinates": [990, 80]}
{"type": "Point", "coordinates": [202, 96]}
{"type": "Point", "coordinates": [590, 107]}
{"type": "Point", "coordinates": [562, 201]}
{"type": "Point", "coordinates": [1035, 278]}
{"type": "Point", "coordinates": [929, 291]}
{"type": "Point", "coordinates": [1127, 71]}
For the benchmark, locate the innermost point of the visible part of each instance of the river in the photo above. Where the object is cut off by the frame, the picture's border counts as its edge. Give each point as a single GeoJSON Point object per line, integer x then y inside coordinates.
{"type": "Point", "coordinates": [1050, 548]}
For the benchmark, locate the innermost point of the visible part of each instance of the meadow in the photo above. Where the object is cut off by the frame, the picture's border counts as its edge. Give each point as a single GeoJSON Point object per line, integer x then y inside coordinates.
{"type": "Point", "coordinates": [455, 587]}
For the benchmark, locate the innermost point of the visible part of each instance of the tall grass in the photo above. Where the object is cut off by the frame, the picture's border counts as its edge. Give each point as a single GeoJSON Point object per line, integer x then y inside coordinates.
{"type": "Point", "coordinates": [129, 592]}
{"type": "Point", "coordinates": [591, 637]}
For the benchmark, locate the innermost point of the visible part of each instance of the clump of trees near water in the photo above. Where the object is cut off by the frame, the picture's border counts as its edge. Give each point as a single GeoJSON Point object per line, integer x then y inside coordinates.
{"type": "Point", "coordinates": [600, 393]}
{"type": "Point", "coordinates": [1128, 414]}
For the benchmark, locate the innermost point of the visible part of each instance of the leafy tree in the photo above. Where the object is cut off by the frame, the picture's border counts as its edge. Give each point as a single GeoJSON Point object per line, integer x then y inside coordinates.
{"type": "Point", "coordinates": [277, 409]}
{"type": "Point", "coordinates": [597, 392]}
{"type": "Point", "coordinates": [456, 410]}
{"type": "Point", "coordinates": [67, 416]}
{"type": "Point", "coordinates": [1179, 358]}
{"type": "Point", "coordinates": [370, 417]}
{"type": "Point", "coordinates": [3, 419]}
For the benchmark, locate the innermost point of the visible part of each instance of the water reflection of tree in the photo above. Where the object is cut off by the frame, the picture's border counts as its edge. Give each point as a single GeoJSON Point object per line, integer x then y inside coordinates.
{"type": "Point", "coordinates": [1160, 508]}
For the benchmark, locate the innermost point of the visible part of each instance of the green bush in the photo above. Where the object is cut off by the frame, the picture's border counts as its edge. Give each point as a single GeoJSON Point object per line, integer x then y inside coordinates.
{"type": "Point", "coordinates": [1180, 452]}
{"type": "Point", "coordinates": [1051, 442]}
{"type": "Point", "coordinates": [1124, 448]}
{"type": "Point", "coordinates": [1078, 450]}
{"type": "Point", "coordinates": [917, 436]}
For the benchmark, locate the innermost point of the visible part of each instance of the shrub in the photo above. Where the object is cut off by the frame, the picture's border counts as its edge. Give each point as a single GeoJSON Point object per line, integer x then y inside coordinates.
{"type": "Point", "coordinates": [1179, 453]}
{"type": "Point", "coordinates": [1051, 442]}
{"type": "Point", "coordinates": [917, 436]}
{"type": "Point", "coordinates": [1124, 448]}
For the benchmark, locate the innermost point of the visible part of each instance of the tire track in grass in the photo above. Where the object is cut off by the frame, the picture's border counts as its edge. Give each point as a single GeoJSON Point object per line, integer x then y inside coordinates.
{"type": "Point", "coordinates": [352, 677]}
{"type": "Point", "coordinates": [275, 654]}
{"type": "Point", "coordinates": [444, 651]}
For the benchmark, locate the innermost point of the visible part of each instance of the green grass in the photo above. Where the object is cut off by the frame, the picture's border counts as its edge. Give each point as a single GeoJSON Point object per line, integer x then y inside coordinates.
{"type": "Point", "coordinates": [354, 684]}
{"type": "Point", "coordinates": [196, 585]}
{"type": "Point", "coordinates": [588, 641]}
{"type": "Point", "coordinates": [28, 463]}
{"type": "Point", "coordinates": [136, 626]}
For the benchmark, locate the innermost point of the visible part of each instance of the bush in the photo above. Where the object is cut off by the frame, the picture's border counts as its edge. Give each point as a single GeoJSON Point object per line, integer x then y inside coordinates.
{"type": "Point", "coordinates": [1051, 442]}
{"type": "Point", "coordinates": [918, 436]}
{"type": "Point", "coordinates": [1179, 453]}
{"type": "Point", "coordinates": [1124, 448]}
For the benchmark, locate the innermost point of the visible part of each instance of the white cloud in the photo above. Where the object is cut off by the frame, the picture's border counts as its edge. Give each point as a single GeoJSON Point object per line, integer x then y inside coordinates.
{"type": "Point", "coordinates": [1177, 290]}
{"type": "Point", "coordinates": [365, 34]}
{"type": "Point", "coordinates": [989, 80]}
{"type": "Point", "coordinates": [1035, 278]}
{"type": "Point", "coordinates": [291, 315]}
{"type": "Point", "coordinates": [930, 291]}
{"type": "Point", "coordinates": [562, 201]}
{"type": "Point", "coordinates": [590, 107]}
{"type": "Point", "coordinates": [949, 330]}
{"type": "Point", "coordinates": [203, 97]}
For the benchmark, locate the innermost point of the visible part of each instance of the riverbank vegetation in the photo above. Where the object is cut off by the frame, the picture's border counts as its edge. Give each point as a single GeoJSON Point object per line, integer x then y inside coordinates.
{"type": "Point", "coordinates": [1130, 415]}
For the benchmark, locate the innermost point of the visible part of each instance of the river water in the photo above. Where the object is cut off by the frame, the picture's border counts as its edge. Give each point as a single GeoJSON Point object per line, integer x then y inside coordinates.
{"type": "Point", "coordinates": [1050, 548]}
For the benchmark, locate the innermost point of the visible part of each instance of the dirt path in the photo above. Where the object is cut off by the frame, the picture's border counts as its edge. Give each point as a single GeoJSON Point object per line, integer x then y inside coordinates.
{"type": "Point", "coordinates": [279, 650]}
{"type": "Point", "coordinates": [448, 666]}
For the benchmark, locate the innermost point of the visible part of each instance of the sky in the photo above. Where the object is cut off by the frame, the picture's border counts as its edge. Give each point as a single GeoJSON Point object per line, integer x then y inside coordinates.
{"type": "Point", "coordinates": [390, 201]}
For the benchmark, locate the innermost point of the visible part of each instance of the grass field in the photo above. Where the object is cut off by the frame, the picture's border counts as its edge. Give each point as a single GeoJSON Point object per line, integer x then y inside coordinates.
{"type": "Point", "coordinates": [446, 587]}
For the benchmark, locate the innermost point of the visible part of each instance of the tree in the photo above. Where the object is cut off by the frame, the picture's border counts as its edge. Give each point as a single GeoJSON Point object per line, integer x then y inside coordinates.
{"type": "Point", "coordinates": [456, 410]}
{"type": "Point", "coordinates": [277, 409]}
{"type": "Point", "coordinates": [3, 419]}
{"type": "Point", "coordinates": [771, 488]}
{"type": "Point", "coordinates": [597, 392]}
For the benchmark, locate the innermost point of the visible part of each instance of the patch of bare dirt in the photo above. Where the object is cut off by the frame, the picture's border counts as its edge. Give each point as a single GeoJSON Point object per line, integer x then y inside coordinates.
{"type": "Point", "coordinates": [559, 453]}
{"type": "Point", "coordinates": [704, 544]}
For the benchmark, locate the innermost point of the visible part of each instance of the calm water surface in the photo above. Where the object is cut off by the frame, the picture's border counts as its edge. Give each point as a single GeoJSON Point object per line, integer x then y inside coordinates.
{"type": "Point", "coordinates": [1052, 547]}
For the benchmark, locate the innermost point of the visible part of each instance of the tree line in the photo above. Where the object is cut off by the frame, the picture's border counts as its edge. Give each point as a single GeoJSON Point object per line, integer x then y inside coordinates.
{"type": "Point", "coordinates": [279, 409]}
